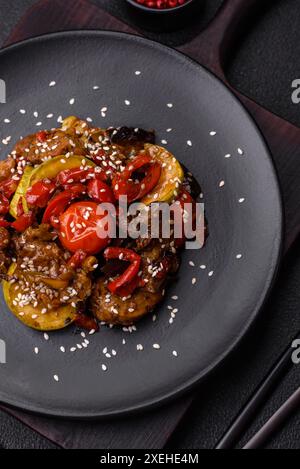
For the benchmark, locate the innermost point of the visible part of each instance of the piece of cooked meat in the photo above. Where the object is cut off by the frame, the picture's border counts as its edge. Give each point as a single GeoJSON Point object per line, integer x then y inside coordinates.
{"type": "Point", "coordinates": [54, 143]}
{"type": "Point", "coordinates": [112, 309]}
{"type": "Point", "coordinates": [4, 244]}
{"type": "Point", "coordinates": [43, 272]}
{"type": "Point", "coordinates": [6, 168]}
{"type": "Point", "coordinates": [156, 265]}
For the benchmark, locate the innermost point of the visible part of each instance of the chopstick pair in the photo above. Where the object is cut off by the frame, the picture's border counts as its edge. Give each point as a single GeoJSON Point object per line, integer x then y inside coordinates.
{"type": "Point", "coordinates": [240, 424]}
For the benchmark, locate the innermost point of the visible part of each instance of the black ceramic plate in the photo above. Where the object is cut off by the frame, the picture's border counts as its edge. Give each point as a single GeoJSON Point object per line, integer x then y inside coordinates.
{"type": "Point", "coordinates": [244, 214]}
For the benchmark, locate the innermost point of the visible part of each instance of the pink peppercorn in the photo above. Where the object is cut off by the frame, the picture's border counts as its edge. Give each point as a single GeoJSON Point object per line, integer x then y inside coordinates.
{"type": "Point", "coordinates": [161, 4]}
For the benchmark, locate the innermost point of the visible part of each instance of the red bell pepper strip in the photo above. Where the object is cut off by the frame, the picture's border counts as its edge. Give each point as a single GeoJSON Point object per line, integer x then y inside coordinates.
{"type": "Point", "coordinates": [23, 222]}
{"type": "Point", "coordinates": [77, 259]}
{"type": "Point", "coordinates": [130, 274]}
{"type": "Point", "coordinates": [123, 185]}
{"type": "Point", "coordinates": [8, 187]}
{"type": "Point", "coordinates": [4, 205]}
{"type": "Point", "coordinates": [59, 203]}
{"type": "Point", "coordinates": [39, 194]}
{"type": "Point", "coordinates": [42, 136]}
{"type": "Point", "coordinates": [71, 176]}
{"type": "Point", "coordinates": [100, 192]}
{"type": "Point", "coordinates": [4, 223]}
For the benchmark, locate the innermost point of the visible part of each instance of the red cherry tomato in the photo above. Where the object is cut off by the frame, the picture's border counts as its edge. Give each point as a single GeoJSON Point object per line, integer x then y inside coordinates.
{"type": "Point", "coordinates": [80, 228]}
{"type": "Point", "coordinates": [39, 194]}
{"type": "Point", "coordinates": [100, 192]}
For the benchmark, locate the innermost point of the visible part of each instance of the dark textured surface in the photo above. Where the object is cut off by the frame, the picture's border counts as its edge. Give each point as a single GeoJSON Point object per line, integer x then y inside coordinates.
{"type": "Point", "coordinates": [264, 67]}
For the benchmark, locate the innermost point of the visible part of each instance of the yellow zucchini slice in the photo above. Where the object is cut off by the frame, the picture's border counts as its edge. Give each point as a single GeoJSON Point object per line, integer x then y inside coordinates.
{"type": "Point", "coordinates": [47, 170]}
{"type": "Point", "coordinates": [33, 317]}
{"type": "Point", "coordinates": [172, 176]}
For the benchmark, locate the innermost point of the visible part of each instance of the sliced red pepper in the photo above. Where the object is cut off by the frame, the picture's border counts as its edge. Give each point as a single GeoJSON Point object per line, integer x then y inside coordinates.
{"type": "Point", "coordinates": [58, 204]}
{"type": "Point", "coordinates": [39, 194]}
{"type": "Point", "coordinates": [77, 259]}
{"type": "Point", "coordinates": [123, 185]}
{"type": "Point", "coordinates": [42, 136]}
{"type": "Point", "coordinates": [100, 192]}
{"type": "Point", "coordinates": [23, 222]}
{"type": "Point", "coordinates": [86, 323]}
{"type": "Point", "coordinates": [4, 223]}
{"type": "Point", "coordinates": [130, 274]}
{"type": "Point", "coordinates": [8, 188]}
{"type": "Point", "coordinates": [4, 205]}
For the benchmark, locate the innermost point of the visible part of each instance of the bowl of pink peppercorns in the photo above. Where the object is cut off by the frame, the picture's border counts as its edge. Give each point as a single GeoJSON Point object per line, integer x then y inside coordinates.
{"type": "Point", "coordinates": [163, 14]}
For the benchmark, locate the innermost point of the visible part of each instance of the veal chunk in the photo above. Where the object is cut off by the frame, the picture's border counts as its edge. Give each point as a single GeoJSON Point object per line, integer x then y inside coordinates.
{"type": "Point", "coordinates": [36, 149]}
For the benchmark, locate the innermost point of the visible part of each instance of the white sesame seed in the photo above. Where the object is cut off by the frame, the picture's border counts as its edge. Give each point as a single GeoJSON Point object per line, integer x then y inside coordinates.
{"type": "Point", "coordinates": [202, 267]}
{"type": "Point", "coordinates": [49, 116]}
{"type": "Point", "coordinates": [46, 337]}
{"type": "Point", "coordinates": [104, 367]}
{"type": "Point", "coordinates": [72, 101]}
{"type": "Point", "coordinates": [52, 83]}
{"type": "Point", "coordinates": [156, 346]}
{"type": "Point", "coordinates": [62, 349]}
{"type": "Point", "coordinates": [164, 142]}
{"type": "Point", "coordinates": [241, 200]}
{"type": "Point", "coordinates": [22, 111]}
{"type": "Point", "coordinates": [175, 297]}
{"type": "Point", "coordinates": [137, 73]}
{"type": "Point", "coordinates": [190, 143]}
{"type": "Point", "coordinates": [192, 264]}
{"type": "Point", "coordinates": [56, 378]}
{"type": "Point", "coordinates": [239, 256]}
{"type": "Point", "coordinates": [6, 121]}
{"type": "Point", "coordinates": [211, 273]}
{"type": "Point", "coordinates": [36, 350]}
{"type": "Point", "coordinates": [221, 183]}
{"type": "Point", "coordinates": [194, 281]}
{"type": "Point", "coordinates": [127, 102]}
{"type": "Point", "coordinates": [212, 133]}
{"type": "Point", "coordinates": [228, 155]}
{"type": "Point", "coordinates": [240, 151]}
{"type": "Point", "coordinates": [170, 105]}
{"type": "Point", "coordinates": [175, 353]}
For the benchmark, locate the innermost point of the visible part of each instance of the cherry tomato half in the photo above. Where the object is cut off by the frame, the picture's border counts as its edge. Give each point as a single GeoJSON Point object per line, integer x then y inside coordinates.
{"type": "Point", "coordinates": [80, 228]}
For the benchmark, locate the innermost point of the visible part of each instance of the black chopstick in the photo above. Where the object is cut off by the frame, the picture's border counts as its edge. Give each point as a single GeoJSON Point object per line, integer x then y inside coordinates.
{"type": "Point", "coordinates": [240, 424]}
{"type": "Point", "coordinates": [275, 422]}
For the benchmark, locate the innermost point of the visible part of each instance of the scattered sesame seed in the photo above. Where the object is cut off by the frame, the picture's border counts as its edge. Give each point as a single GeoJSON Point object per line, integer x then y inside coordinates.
{"type": "Point", "coordinates": [239, 256]}
{"type": "Point", "coordinates": [49, 116]}
{"type": "Point", "coordinates": [62, 349]}
{"type": "Point", "coordinates": [36, 350]}
{"type": "Point", "coordinates": [228, 155]}
{"type": "Point", "coordinates": [190, 143]}
{"type": "Point", "coordinates": [211, 273]}
{"type": "Point", "coordinates": [95, 87]}
{"type": "Point", "coordinates": [72, 101]}
{"type": "Point", "coordinates": [56, 378]}
{"type": "Point", "coordinates": [240, 151]}
{"type": "Point", "coordinates": [164, 142]}
{"type": "Point", "coordinates": [212, 133]}
{"type": "Point", "coordinates": [170, 105]}
{"type": "Point", "coordinates": [104, 367]}
{"type": "Point", "coordinates": [138, 73]}
{"type": "Point", "coordinates": [194, 281]}
{"type": "Point", "coordinates": [52, 83]}
{"type": "Point", "coordinates": [127, 102]}
{"type": "Point", "coordinates": [241, 200]}
{"type": "Point", "coordinates": [156, 346]}
{"type": "Point", "coordinates": [175, 353]}
{"type": "Point", "coordinates": [175, 297]}
{"type": "Point", "coordinates": [6, 121]}
{"type": "Point", "coordinates": [192, 264]}
{"type": "Point", "coordinates": [22, 111]}
{"type": "Point", "coordinates": [139, 347]}
{"type": "Point", "coordinates": [46, 336]}
{"type": "Point", "coordinates": [221, 183]}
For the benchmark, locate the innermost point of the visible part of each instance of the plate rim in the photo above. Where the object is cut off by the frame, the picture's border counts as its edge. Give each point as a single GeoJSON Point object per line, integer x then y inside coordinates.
{"type": "Point", "coordinates": [276, 258]}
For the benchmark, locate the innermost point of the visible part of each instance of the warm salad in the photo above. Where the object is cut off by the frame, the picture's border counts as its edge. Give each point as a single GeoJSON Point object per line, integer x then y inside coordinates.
{"type": "Point", "coordinates": [56, 268]}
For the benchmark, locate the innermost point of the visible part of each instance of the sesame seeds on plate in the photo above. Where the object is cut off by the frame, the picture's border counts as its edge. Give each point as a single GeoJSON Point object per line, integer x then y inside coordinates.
{"type": "Point", "coordinates": [156, 346]}
{"type": "Point", "coordinates": [222, 183]}
{"type": "Point", "coordinates": [52, 83]}
{"type": "Point", "coordinates": [213, 133]}
{"type": "Point", "coordinates": [137, 73]}
{"type": "Point", "coordinates": [127, 102]}
{"type": "Point", "coordinates": [242, 200]}
{"type": "Point", "coordinates": [56, 378]}
{"type": "Point", "coordinates": [240, 151]}
{"type": "Point", "coordinates": [239, 256]}
{"type": "Point", "coordinates": [189, 143]}
{"type": "Point", "coordinates": [72, 101]}
{"type": "Point", "coordinates": [170, 105]}
{"type": "Point", "coordinates": [104, 367]}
